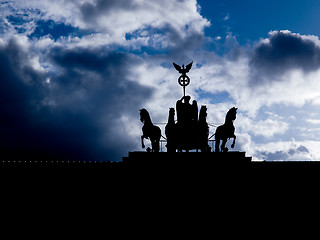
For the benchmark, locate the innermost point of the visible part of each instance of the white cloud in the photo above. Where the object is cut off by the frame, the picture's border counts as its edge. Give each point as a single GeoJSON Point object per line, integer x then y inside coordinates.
{"type": "Point", "coordinates": [286, 150]}
{"type": "Point", "coordinates": [313, 121]}
{"type": "Point", "coordinates": [181, 17]}
{"type": "Point", "coordinates": [266, 128]}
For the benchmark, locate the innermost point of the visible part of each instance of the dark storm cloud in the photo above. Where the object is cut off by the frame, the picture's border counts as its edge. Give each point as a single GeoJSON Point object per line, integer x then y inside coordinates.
{"type": "Point", "coordinates": [74, 116]}
{"type": "Point", "coordinates": [284, 51]}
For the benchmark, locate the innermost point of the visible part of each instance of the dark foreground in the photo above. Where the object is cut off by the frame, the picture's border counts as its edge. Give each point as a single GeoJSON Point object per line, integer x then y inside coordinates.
{"type": "Point", "coordinates": [231, 174]}
{"type": "Point", "coordinates": [185, 160]}
{"type": "Point", "coordinates": [162, 161]}
{"type": "Point", "coordinates": [231, 163]}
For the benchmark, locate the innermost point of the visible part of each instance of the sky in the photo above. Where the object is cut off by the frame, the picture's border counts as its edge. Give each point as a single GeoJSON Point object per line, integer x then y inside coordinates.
{"type": "Point", "coordinates": [74, 74]}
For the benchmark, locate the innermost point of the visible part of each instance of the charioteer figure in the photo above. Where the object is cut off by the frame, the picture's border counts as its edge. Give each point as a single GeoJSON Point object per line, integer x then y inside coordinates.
{"type": "Point", "coordinates": [186, 112]}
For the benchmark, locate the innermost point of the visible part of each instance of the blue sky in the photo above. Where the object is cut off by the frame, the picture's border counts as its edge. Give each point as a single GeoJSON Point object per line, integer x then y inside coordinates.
{"type": "Point", "coordinates": [251, 20]}
{"type": "Point", "coordinates": [76, 73]}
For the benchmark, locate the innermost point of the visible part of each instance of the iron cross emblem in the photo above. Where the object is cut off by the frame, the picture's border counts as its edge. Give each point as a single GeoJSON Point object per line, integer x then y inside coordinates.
{"type": "Point", "coordinates": [183, 80]}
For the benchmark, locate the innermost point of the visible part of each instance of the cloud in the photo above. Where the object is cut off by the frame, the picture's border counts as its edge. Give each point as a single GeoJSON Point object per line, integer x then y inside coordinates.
{"type": "Point", "coordinates": [265, 75]}
{"type": "Point", "coordinates": [266, 128]}
{"type": "Point", "coordinates": [73, 95]}
{"type": "Point", "coordinates": [313, 121]}
{"type": "Point", "coordinates": [134, 15]}
{"type": "Point", "coordinates": [77, 115]}
{"type": "Point", "coordinates": [281, 52]}
{"type": "Point", "coordinates": [175, 20]}
{"type": "Point", "coordinates": [290, 151]}
{"type": "Point", "coordinates": [227, 17]}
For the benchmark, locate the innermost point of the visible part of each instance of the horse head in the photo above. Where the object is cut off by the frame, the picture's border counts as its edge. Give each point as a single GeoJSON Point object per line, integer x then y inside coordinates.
{"type": "Point", "coordinates": [231, 114]}
{"type": "Point", "coordinates": [144, 115]}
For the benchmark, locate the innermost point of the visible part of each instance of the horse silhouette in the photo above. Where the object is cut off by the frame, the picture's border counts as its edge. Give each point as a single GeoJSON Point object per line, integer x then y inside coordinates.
{"type": "Point", "coordinates": [226, 131]}
{"type": "Point", "coordinates": [150, 131]}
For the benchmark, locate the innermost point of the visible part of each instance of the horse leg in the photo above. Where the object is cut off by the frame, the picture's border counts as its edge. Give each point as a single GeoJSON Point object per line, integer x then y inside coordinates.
{"type": "Point", "coordinates": [142, 143]}
{"type": "Point", "coordinates": [223, 146]}
{"type": "Point", "coordinates": [234, 141]}
{"type": "Point", "coordinates": [155, 146]}
{"type": "Point", "coordinates": [217, 145]}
